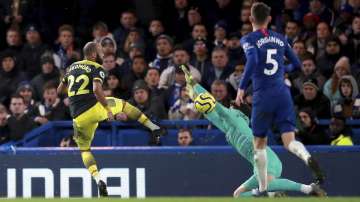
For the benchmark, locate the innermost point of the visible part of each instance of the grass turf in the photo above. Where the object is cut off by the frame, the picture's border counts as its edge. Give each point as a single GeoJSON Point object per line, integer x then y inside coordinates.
{"type": "Point", "coordinates": [196, 199]}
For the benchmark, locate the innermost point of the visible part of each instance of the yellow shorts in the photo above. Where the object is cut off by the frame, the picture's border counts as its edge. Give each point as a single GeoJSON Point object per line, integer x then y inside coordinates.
{"type": "Point", "coordinates": [86, 123]}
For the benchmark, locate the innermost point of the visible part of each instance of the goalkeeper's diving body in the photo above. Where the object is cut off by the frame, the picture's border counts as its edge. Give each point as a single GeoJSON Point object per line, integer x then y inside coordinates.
{"type": "Point", "coordinates": [88, 106]}
{"type": "Point", "coordinates": [235, 125]}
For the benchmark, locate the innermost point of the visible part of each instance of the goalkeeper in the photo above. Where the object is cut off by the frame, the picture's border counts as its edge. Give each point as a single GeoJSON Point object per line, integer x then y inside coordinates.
{"type": "Point", "coordinates": [235, 125]}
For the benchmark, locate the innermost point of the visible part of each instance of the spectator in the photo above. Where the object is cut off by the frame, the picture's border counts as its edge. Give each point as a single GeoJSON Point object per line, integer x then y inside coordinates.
{"type": "Point", "coordinates": [325, 14]}
{"type": "Point", "coordinates": [19, 118]}
{"type": "Point", "coordinates": [180, 57]}
{"type": "Point", "coordinates": [299, 48]}
{"type": "Point", "coordinates": [342, 24]}
{"type": "Point", "coordinates": [48, 73]}
{"type": "Point", "coordinates": [10, 76]}
{"type": "Point", "coordinates": [156, 28]}
{"type": "Point", "coordinates": [220, 34]}
{"type": "Point", "coordinates": [349, 90]}
{"type": "Point", "coordinates": [51, 108]}
{"type": "Point", "coordinates": [332, 54]}
{"type": "Point", "coordinates": [220, 92]}
{"type": "Point", "coordinates": [220, 68]}
{"type": "Point", "coordinates": [310, 22]}
{"type": "Point", "coordinates": [164, 46]}
{"type": "Point", "coordinates": [183, 108]}
{"type": "Point", "coordinates": [235, 77]}
{"type": "Point", "coordinates": [108, 45]}
{"type": "Point", "coordinates": [177, 19]}
{"type": "Point", "coordinates": [245, 29]}
{"type": "Point", "coordinates": [109, 64]}
{"type": "Point", "coordinates": [27, 92]}
{"type": "Point", "coordinates": [193, 17]}
{"type": "Point", "coordinates": [339, 134]}
{"type": "Point", "coordinates": [292, 7]}
{"type": "Point", "coordinates": [353, 45]}
{"type": "Point", "coordinates": [149, 105]}
{"type": "Point", "coordinates": [185, 137]}
{"type": "Point", "coordinates": [152, 79]}
{"type": "Point", "coordinates": [113, 82]}
{"type": "Point", "coordinates": [198, 31]}
{"type": "Point", "coordinates": [200, 59]}
{"type": "Point", "coordinates": [4, 128]}
{"type": "Point", "coordinates": [235, 51]}
{"type": "Point", "coordinates": [128, 20]}
{"type": "Point", "coordinates": [310, 132]}
{"type": "Point", "coordinates": [133, 37]}
{"type": "Point", "coordinates": [66, 50]}
{"type": "Point", "coordinates": [32, 51]}
{"type": "Point", "coordinates": [308, 70]}
{"type": "Point", "coordinates": [100, 31]}
{"type": "Point", "coordinates": [14, 40]}
{"type": "Point", "coordinates": [137, 72]}
{"type": "Point", "coordinates": [312, 98]}
{"type": "Point", "coordinates": [67, 142]}
{"type": "Point", "coordinates": [135, 49]}
{"type": "Point", "coordinates": [173, 93]}
{"type": "Point", "coordinates": [292, 31]}
{"type": "Point", "coordinates": [331, 90]}
{"type": "Point", "coordinates": [245, 14]}
{"type": "Point", "coordinates": [316, 45]}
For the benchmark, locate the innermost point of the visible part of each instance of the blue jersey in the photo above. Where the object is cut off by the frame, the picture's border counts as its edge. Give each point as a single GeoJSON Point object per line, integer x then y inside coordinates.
{"type": "Point", "coordinates": [265, 51]}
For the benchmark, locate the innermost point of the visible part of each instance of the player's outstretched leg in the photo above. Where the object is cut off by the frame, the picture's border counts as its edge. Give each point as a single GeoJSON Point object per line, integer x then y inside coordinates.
{"type": "Point", "coordinates": [300, 151]}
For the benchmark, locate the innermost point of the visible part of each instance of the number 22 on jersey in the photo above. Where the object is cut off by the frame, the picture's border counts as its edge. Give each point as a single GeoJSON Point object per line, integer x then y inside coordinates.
{"type": "Point", "coordinates": [272, 61]}
{"type": "Point", "coordinates": [81, 80]}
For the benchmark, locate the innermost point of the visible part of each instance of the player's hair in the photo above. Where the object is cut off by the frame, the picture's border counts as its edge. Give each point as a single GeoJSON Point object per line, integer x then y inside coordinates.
{"type": "Point", "coordinates": [100, 26]}
{"type": "Point", "coordinates": [182, 130]}
{"type": "Point", "coordinates": [66, 27]}
{"type": "Point", "coordinates": [260, 11]}
{"type": "Point", "coordinates": [89, 48]}
{"type": "Point", "coordinates": [50, 85]}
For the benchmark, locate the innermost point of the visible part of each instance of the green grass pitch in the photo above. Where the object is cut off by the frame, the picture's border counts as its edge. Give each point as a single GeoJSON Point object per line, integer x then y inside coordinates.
{"type": "Point", "coordinates": [195, 199]}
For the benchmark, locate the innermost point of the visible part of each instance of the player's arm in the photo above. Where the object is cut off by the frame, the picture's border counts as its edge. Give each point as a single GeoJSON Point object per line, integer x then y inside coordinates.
{"type": "Point", "coordinates": [293, 58]}
{"type": "Point", "coordinates": [62, 86]}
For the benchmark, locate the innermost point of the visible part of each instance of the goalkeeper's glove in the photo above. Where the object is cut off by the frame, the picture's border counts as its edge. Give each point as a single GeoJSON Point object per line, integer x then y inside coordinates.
{"type": "Point", "coordinates": [188, 77]}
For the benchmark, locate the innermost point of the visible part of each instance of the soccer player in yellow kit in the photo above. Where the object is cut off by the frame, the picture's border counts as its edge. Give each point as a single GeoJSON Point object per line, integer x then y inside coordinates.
{"type": "Point", "coordinates": [88, 106]}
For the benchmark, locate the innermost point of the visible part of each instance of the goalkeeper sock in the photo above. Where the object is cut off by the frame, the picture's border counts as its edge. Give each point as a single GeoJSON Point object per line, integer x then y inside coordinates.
{"type": "Point", "coordinates": [90, 164]}
{"type": "Point", "coordinates": [260, 159]}
{"type": "Point", "coordinates": [299, 150]}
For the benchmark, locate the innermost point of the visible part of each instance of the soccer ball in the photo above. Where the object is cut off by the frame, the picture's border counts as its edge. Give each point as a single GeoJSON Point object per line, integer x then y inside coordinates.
{"type": "Point", "coordinates": [204, 103]}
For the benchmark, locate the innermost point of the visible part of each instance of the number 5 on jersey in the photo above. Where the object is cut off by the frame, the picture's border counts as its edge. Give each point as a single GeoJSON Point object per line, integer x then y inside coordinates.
{"type": "Point", "coordinates": [81, 80]}
{"type": "Point", "coordinates": [272, 61]}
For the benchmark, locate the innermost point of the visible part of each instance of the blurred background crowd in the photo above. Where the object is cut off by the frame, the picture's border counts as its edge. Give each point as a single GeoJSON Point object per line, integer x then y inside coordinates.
{"type": "Point", "coordinates": [144, 41]}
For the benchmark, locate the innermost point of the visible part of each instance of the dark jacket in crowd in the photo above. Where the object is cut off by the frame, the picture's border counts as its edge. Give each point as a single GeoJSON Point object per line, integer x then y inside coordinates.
{"type": "Point", "coordinates": [30, 55]}
{"type": "Point", "coordinates": [320, 105]}
{"type": "Point", "coordinates": [39, 81]}
{"type": "Point", "coordinates": [26, 123]}
{"type": "Point", "coordinates": [209, 76]}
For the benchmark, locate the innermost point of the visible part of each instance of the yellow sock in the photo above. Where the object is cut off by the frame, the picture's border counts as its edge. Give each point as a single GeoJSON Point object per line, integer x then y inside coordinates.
{"type": "Point", "coordinates": [135, 114]}
{"type": "Point", "coordinates": [90, 164]}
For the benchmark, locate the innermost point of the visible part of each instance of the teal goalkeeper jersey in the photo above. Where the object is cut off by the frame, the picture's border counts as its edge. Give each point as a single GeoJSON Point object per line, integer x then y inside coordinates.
{"type": "Point", "coordinates": [235, 125]}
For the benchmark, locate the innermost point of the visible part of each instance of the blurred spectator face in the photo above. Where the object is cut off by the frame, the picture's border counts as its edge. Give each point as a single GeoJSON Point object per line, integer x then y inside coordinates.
{"type": "Point", "coordinates": [65, 142]}
{"type": "Point", "coordinates": [50, 96]}
{"type": "Point", "coordinates": [156, 27]}
{"type": "Point", "coordinates": [199, 31]}
{"type": "Point", "coordinates": [245, 29]}
{"type": "Point", "coordinates": [308, 67]}
{"type": "Point", "coordinates": [27, 94]}
{"type": "Point", "coordinates": [245, 14]}
{"type": "Point", "coordinates": [184, 138]}
{"type": "Point", "coordinates": [152, 77]}
{"type": "Point", "coordinates": [112, 82]}
{"type": "Point", "coordinates": [233, 43]}
{"type": "Point", "coordinates": [315, 6]}
{"type": "Point", "coordinates": [141, 96]}
{"type": "Point", "coordinates": [322, 31]}
{"type": "Point", "coordinates": [356, 25]}
{"type": "Point", "coordinates": [139, 65]}
{"type": "Point", "coordinates": [33, 37]}
{"type": "Point", "coordinates": [336, 126]}
{"type": "Point", "coordinates": [17, 106]}
{"type": "Point", "coordinates": [341, 71]}
{"type": "Point", "coordinates": [66, 38]}
{"type": "Point", "coordinates": [128, 20]}
{"type": "Point", "coordinates": [109, 62]}
{"type": "Point", "coordinates": [194, 17]}
{"type": "Point", "coordinates": [163, 47]}
{"type": "Point", "coordinates": [180, 57]}
{"type": "Point", "coordinates": [133, 36]}
{"type": "Point", "coordinates": [220, 33]}
{"type": "Point", "coordinates": [309, 92]}
{"type": "Point", "coordinates": [200, 48]}
{"type": "Point", "coordinates": [219, 59]}
{"type": "Point", "coordinates": [180, 78]}
{"type": "Point", "coordinates": [13, 38]}
{"type": "Point", "coordinates": [346, 88]}
{"type": "Point", "coordinates": [299, 48]}
{"type": "Point", "coordinates": [305, 119]}
{"type": "Point", "coordinates": [181, 4]}
{"type": "Point", "coordinates": [223, 3]}
{"type": "Point", "coordinates": [8, 64]}
{"type": "Point", "coordinates": [291, 4]}
{"type": "Point", "coordinates": [332, 48]}
{"type": "Point", "coordinates": [3, 115]}
{"type": "Point", "coordinates": [108, 48]}
{"type": "Point", "coordinates": [291, 29]}
{"type": "Point", "coordinates": [219, 91]}
{"type": "Point", "coordinates": [135, 52]}
{"type": "Point", "coordinates": [47, 67]}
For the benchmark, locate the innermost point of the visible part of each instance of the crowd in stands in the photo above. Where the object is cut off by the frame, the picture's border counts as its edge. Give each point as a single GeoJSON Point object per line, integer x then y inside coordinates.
{"type": "Point", "coordinates": [141, 59]}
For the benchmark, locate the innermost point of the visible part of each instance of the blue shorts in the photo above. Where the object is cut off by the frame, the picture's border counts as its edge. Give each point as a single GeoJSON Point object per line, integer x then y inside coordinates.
{"type": "Point", "coordinates": [272, 109]}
